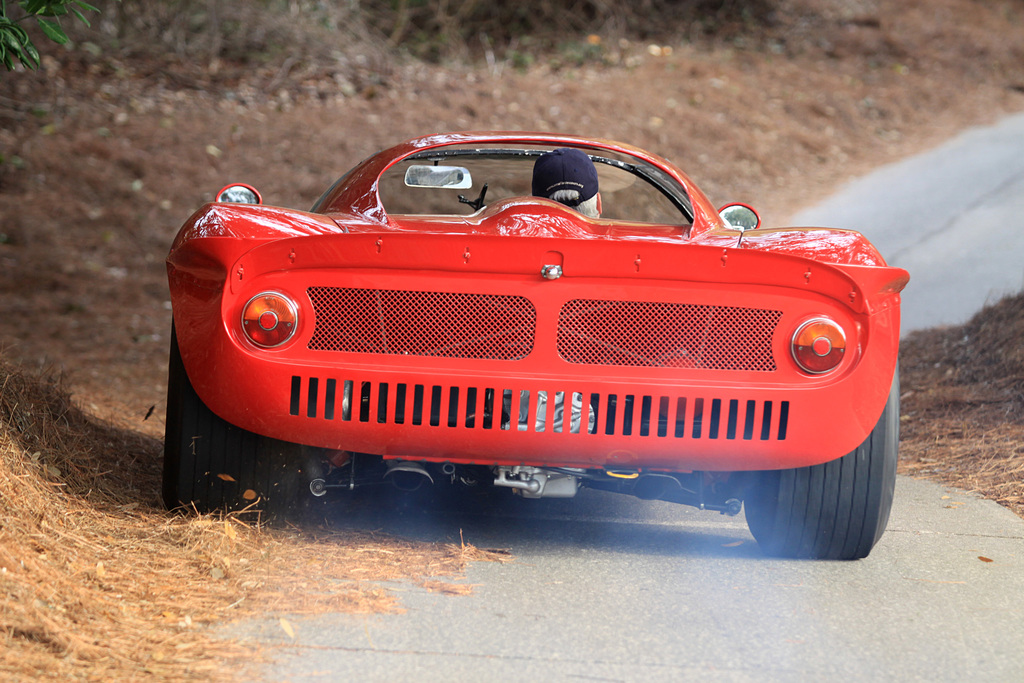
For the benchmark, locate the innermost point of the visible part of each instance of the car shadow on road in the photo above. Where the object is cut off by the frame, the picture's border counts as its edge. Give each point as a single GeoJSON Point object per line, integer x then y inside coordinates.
{"type": "Point", "coordinates": [594, 520]}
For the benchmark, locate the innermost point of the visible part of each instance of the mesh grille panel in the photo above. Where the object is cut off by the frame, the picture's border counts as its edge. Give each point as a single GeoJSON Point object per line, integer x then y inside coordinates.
{"type": "Point", "coordinates": [451, 325]}
{"type": "Point", "coordinates": [650, 334]}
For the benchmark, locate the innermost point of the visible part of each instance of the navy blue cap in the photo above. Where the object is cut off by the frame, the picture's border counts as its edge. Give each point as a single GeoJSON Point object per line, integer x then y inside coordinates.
{"type": "Point", "coordinates": [565, 169]}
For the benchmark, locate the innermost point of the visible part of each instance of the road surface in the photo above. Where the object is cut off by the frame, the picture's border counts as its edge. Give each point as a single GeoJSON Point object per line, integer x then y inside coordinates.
{"type": "Point", "coordinates": [953, 217]}
{"type": "Point", "coordinates": [609, 588]}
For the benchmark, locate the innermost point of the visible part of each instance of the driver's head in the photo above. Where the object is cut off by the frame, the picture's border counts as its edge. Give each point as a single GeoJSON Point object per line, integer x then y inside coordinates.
{"type": "Point", "coordinates": [569, 177]}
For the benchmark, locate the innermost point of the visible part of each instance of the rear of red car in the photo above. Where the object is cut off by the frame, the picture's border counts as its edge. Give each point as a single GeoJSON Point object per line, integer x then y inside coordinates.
{"type": "Point", "coordinates": [458, 349]}
{"type": "Point", "coordinates": [332, 349]}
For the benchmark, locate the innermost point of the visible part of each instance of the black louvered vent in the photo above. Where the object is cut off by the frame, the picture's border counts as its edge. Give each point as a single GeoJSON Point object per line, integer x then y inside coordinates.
{"type": "Point", "coordinates": [525, 410]}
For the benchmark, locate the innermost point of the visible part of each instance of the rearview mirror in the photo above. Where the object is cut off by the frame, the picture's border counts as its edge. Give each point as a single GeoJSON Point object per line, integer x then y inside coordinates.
{"type": "Point", "coordinates": [446, 177]}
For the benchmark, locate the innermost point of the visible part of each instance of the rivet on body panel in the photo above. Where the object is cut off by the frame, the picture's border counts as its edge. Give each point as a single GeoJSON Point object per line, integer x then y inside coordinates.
{"type": "Point", "coordinates": [551, 272]}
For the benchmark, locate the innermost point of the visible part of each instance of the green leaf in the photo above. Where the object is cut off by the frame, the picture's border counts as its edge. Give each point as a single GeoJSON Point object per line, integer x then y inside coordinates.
{"type": "Point", "coordinates": [14, 42]}
{"type": "Point", "coordinates": [53, 31]}
{"type": "Point", "coordinates": [86, 6]}
{"type": "Point", "coordinates": [45, 8]}
{"type": "Point", "coordinates": [33, 55]}
{"type": "Point", "coordinates": [21, 35]}
{"type": "Point", "coordinates": [81, 16]}
{"type": "Point", "coordinates": [9, 49]}
{"type": "Point", "coordinates": [9, 39]}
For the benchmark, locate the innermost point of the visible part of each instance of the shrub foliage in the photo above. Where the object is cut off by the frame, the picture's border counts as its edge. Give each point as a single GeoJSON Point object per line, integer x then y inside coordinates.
{"type": "Point", "coordinates": [16, 45]}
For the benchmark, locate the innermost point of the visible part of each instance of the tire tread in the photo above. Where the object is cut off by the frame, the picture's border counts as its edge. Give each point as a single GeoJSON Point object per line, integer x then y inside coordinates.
{"type": "Point", "coordinates": [200, 447]}
{"type": "Point", "coordinates": [835, 510]}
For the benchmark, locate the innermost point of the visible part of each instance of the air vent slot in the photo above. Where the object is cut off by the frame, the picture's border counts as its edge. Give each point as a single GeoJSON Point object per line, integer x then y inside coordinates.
{"type": "Point", "coordinates": [643, 416]}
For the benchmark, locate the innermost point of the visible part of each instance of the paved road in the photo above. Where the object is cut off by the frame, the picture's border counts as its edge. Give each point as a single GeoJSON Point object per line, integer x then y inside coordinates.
{"type": "Point", "coordinates": [953, 217]}
{"type": "Point", "coordinates": [608, 588]}
{"type": "Point", "coordinates": [611, 588]}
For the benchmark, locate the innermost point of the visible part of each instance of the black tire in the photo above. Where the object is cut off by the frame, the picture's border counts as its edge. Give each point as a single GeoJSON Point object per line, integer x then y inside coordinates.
{"type": "Point", "coordinates": [212, 465]}
{"type": "Point", "coordinates": [837, 510]}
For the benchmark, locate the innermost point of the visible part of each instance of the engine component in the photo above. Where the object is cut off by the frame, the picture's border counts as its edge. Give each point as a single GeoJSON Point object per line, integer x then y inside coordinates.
{"type": "Point", "coordinates": [533, 482]}
{"type": "Point", "coordinates": [406, 475]}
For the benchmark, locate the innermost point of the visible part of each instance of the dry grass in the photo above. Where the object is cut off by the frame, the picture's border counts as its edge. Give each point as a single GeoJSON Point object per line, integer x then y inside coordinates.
{"type": "Point", "coordinates": [99, 583]}
{"type": "Point", "coordinates": [989, 462]}
{"type": "Point", "coordinates": [963, 404]}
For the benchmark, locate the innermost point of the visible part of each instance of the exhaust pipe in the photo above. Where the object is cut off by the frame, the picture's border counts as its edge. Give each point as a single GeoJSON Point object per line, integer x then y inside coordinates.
{"type": "Point", "coordinates": [407, 476]}
{"type": "Point", "coordinates": [655, 486]}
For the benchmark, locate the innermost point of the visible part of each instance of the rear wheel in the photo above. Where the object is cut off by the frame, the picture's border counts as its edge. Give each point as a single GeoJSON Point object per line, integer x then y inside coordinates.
{"type": "Point", "coordinates": [836, 510]}
{"type": "Point", "coordinates": [212, 465]}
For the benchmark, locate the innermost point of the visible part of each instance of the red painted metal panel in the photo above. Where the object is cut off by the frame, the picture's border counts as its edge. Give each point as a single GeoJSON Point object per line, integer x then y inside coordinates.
{"type": "Point", "coordinates": [827, 416]}
{"type": "Point", "coordinates": [658, 347]}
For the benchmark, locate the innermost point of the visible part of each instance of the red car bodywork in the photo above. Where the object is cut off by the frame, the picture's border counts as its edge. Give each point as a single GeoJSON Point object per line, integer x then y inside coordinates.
{"type": "Point", "coordinates": [666, 348]}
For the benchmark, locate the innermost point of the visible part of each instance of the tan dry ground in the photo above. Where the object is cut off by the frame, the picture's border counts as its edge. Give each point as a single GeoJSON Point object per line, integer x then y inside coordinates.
{"type": "Point", "coordinates": [104, 158]}
{"type": "Point", "coordinates": [101, 586]}
{"type": "Point", "coordinates": [963, 404]}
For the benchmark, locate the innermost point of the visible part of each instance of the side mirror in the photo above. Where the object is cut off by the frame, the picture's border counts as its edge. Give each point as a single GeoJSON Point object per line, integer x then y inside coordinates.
{"type": "Point", "coordinates": [740, 217]}
{"type": "Point", "coordinates": [239, 193]}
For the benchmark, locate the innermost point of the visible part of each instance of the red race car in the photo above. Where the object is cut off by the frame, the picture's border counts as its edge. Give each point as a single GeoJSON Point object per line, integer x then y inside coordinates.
{"type": "Point", "coordinates": [540, 313]}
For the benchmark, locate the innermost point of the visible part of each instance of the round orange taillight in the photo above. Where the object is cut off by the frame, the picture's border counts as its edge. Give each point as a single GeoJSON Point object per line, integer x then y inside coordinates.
{"type": "Point", "coordinates": [269, 319]}
{"type": "Point", "coordinates": [819, 346]}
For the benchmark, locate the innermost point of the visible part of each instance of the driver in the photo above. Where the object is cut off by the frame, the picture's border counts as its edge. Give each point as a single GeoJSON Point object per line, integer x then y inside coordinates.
{"type": "Point", "coordinates": [569, 177]}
